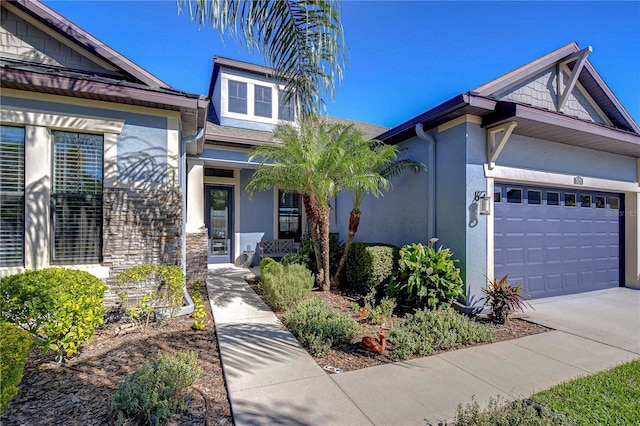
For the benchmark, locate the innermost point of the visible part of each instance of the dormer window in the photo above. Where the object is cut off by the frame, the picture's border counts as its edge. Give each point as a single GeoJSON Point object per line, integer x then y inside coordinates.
{"type": "Point", "coordinates": [285, 106]}
{"type": "Point", "coordinates": [237, 97]}
{"type": "Point", "coordinates": [262, 101]}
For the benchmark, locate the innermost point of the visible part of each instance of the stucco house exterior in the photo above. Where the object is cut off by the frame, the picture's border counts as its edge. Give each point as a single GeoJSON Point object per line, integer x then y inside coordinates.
{"type": "Point", "coordinates": [92, 150]}
{"type": "Point", "coordinates": [104, 166]}
{"type": "Point", "coordinates": [535, 175]}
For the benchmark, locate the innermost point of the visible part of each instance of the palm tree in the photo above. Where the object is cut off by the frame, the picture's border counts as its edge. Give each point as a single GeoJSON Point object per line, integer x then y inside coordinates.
{"type": "Point", "coordinates": [380, 159]}
{"type": "Point", "coordinates": [302, 40]}
{"type": "Point", "coordinates": [318, 160]}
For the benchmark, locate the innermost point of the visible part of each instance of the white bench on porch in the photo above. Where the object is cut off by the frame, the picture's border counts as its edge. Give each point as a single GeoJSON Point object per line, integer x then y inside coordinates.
{"type": "Point", "coordinates": [277, 248]}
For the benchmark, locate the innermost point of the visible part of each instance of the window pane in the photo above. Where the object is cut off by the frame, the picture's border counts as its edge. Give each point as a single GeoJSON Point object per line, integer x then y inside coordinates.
{"type": "Point", "coordinates": [553, 198]}
{"type": "Point", "coordinates": [289, 215]}
{"type": "Point", "coordinates": [77, 163]}
{"type": "Point", "coordinates": [76, 201]}
{"type": "Point", "coordinates": [497, 194]}
{"type": "Point", "coordinates": [585, 200]}
{"type": "Point", "coordinates": [534, 197]}
{"type": "Point", "coordinates": [614, 203]}
{"type": "Point", "coordinates": [600, 202]}
{"type": "Point", "coordinates": [514, 196]}
{"type": "Point", "coordinates": [11, 195]}
{"type": "Point", "coordinates": [570, 200]}
{"type": "Point", "coordinates": [263, 101]}
{"type": "Point", "coordinates": [285, 107]}
{"type": "Point", "coordinates": [237, 97]}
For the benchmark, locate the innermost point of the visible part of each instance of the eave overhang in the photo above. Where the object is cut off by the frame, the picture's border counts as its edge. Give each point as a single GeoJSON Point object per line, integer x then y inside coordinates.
{"type": "Point", "coordinates": [91, 89]}
{"type": "Point", "coordinates": [547, 125]}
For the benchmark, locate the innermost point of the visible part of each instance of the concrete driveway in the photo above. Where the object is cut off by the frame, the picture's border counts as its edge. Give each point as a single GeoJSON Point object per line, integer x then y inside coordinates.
{"type": "Point", "coordinates": [610, 316]}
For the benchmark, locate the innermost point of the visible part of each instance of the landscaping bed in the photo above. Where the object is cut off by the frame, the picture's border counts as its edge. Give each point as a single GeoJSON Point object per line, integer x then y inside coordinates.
{"type": "Point", "coordinates": [349, 357]}
{"type": "Point", "coordinates": [78, 391]}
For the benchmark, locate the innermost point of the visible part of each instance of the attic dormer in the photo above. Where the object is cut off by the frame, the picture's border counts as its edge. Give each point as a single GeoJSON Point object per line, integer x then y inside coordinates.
{"type": "Point", "coordinates": [247, 96]}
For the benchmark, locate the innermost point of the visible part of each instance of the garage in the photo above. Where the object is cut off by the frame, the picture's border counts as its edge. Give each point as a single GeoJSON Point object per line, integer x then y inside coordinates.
{"type": "Point", "coordinates": [558, 241]}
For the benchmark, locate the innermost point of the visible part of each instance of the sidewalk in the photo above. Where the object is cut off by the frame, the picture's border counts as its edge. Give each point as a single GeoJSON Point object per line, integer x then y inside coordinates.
{"type": "Point", "coordinates": [272, 380]}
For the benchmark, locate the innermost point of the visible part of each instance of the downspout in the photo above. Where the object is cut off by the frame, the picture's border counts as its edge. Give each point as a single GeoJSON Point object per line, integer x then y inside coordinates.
{"type": "Point", "coordinates": [431, 173]}
{"type": "Point", "coordinates": [182, 177]}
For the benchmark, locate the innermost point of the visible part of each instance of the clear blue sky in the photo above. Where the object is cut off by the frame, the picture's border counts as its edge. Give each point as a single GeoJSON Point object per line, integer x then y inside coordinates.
{"type": "Point", "coordinates": [405, 57]}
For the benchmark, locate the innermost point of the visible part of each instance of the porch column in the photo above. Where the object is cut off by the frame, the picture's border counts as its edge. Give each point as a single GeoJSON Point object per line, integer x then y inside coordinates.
{"type": "Point", "coordinates": [195, 196]}
{"type": "Point", "coordinates": [632, 239]}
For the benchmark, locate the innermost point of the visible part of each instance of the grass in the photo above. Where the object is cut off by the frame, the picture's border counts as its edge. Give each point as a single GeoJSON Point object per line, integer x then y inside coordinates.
{"type": "Point", "coordinates": [611, 397]}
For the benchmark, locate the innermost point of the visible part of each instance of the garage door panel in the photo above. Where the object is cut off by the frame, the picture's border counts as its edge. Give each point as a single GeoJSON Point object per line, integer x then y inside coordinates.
{"type": "Point", "coordinates": [558, 249]}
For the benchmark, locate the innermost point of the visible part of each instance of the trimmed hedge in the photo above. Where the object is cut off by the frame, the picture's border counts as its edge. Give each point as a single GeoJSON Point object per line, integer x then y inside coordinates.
{"type": "Point", "coordinates": [15, 345]}
{"type": "Point", "coordinates": [368, 266]}
{"type": "Point", "coordinates": [61, 307]}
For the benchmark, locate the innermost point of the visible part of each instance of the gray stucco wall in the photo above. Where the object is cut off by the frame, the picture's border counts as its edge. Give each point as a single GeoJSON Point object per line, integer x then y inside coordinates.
{"type": "Point", "coordinates": [142, 145]}
{"type": "Point", "coordinates": [399, 216]}
{"type": "Point", "coordinates": [538, 154]}
{"type": "Point", "coordinates": [256, 216]}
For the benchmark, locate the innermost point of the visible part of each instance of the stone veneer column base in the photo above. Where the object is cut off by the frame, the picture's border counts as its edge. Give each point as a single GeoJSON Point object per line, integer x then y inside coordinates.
{"type": "Point", "coordinates": [197, 256]}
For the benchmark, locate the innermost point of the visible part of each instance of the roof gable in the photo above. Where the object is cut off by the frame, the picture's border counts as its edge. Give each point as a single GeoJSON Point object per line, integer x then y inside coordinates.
{"type": "Point", "coordinates": [32, 33]}
{"type": "Point", "coordinates": [562, 81]}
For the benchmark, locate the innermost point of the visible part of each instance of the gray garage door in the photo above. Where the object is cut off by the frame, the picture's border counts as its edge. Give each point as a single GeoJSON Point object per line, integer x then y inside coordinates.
{"type": "Point", "coordinates": [557, 241]}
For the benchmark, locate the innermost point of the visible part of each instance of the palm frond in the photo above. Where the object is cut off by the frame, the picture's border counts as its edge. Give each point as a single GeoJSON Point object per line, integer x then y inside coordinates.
{"type": "Point", "coordinates": [302, 40]}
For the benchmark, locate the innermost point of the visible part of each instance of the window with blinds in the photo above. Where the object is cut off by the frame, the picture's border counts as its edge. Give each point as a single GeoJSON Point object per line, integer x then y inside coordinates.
{"type": "Point", "coordinates": [76, 199]}
{"type": "Point", "coordinates": [11, 196]}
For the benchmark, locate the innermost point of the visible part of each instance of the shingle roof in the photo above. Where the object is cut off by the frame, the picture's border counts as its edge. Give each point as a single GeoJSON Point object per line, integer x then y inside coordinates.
{"type": "Point", "coordinates": [242, 136]}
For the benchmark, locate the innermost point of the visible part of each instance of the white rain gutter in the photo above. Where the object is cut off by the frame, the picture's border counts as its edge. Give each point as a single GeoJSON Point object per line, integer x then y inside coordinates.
{"type": "Point", "coordinates": [431, 173]}
{"type": "Point", "coordinates": [188, 309]}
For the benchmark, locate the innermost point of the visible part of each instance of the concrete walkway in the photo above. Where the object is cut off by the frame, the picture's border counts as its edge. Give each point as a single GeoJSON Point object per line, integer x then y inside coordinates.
{"type": "Point", "coordinates": [272, 380]}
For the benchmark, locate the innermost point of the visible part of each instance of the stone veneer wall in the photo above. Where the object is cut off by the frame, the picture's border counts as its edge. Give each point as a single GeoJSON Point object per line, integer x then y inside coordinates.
{"type": "Point", "coordinates": [140, 226]}
{"type": "Point", "coordinates": [197, 256]}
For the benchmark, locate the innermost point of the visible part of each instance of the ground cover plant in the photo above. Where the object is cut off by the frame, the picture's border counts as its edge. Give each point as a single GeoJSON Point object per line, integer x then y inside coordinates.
{"type": "Point", "coordinates": [156, 390]}
{"type": "Point", "coordinates": [426, 331]}
{"type": "Point", "coordinates": [318, 327]}
{"type": "Point", "coordinates": [610, 397]}
{"type": "Point", "coordinates": [516, 413]}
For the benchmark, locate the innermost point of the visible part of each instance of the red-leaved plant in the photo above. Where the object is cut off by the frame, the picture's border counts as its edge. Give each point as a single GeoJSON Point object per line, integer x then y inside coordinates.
{"type": "Point", "coordinates": [503, 298]}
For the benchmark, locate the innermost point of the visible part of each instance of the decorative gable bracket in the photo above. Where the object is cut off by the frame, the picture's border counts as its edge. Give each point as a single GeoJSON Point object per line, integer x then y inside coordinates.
{"type": "Point", "coordinates": [564, 89]}
{"type": "Point", "coordinates": [497, 138]}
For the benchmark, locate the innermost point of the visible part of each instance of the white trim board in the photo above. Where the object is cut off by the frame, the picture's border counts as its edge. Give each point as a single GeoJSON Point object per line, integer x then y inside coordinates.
{"type": "Point", "coordinates": [527, 177]}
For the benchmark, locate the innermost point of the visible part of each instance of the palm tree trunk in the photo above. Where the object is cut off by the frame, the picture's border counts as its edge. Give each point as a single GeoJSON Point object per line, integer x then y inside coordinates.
{"type": "Point", "coordinates": [312, 217]}
{"type": "Point", "coordinates": [323, 225]}
{"type": "Point", "coordinates": [354, 222]}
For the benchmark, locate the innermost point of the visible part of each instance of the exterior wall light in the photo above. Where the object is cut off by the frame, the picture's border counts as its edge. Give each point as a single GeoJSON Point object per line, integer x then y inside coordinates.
{"type": "Point", "coordinates": [485, 202]}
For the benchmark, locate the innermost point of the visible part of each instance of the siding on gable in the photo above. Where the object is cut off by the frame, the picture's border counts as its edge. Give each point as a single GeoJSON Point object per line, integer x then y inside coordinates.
{"type": "Point", "coordinates": [540, 91]}
{"type": "Point", "coordinates": [23, 41]}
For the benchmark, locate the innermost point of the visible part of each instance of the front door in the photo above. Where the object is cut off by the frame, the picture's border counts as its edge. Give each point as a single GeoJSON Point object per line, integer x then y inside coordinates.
{"type": "Point", "coordinates": [219, 218]}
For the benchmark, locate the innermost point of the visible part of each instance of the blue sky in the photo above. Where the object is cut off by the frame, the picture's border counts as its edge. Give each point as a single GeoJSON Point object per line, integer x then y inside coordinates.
{"type": "Point", "coordinates": [405, 56]}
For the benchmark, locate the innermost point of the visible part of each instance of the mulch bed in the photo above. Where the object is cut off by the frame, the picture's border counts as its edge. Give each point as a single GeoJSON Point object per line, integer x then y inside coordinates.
{"type": "Point", "coordinates": [78, 392]}
{"type": "Point", "coordinates": [351, 357]}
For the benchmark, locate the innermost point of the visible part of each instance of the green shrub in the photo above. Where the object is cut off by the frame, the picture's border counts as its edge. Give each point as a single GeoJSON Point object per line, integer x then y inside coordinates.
{"type": "Point", "coordinates": [427, 277]}
{"type": "Point", "coordinates": [15, 345]}
{"type": "Point", "coordinates": [368, 266]}
{"type": "Point", "coordinates": [427, 331]}
{"type": "Point", "coordinates": [336, 247]}
{"type": "Point", "coordinates": [318, 327]}
{"type": "Point", "coordinates": [295, 259]}
{"type": "Point", "coordinates": [286, 286]}
{"type": "Point", "coordinates": [267, 263]}
{"type": "Point", "coordinates": [61, 307]}
{"type": "Point", "coordinates": [382, 312]}
{"type": "Point", "coordinates": [517, 413]}
{"type": "Point", "coordinates": [156, 287]}
{"type": "Point", "coordinates": [156, 390]}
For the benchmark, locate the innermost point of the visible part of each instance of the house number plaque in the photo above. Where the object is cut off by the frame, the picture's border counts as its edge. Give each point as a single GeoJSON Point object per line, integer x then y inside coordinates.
{"type": "Point", "coordinates": [578, 180]}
